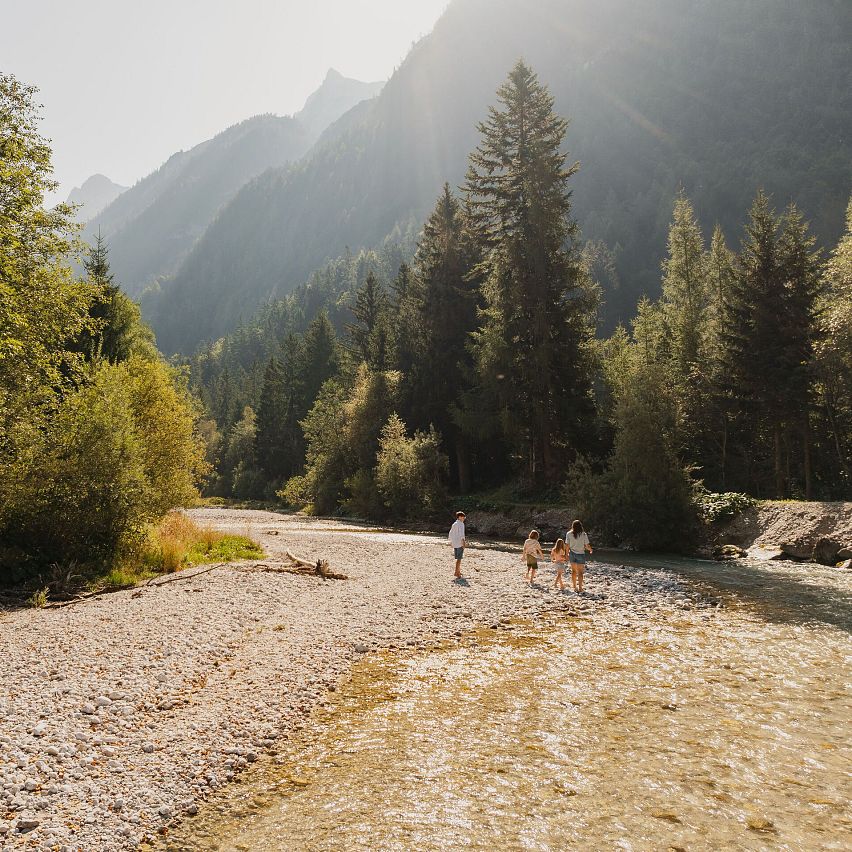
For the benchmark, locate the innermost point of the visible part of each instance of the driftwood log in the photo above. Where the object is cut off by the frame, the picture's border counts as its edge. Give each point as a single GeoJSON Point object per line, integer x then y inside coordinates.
{"type": "Point", "coordinates": [320, 567]}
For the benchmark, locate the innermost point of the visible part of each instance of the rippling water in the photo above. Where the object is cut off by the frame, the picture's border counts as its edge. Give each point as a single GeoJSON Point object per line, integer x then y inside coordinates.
{"type": "Point", "coordinates": [668, 726]}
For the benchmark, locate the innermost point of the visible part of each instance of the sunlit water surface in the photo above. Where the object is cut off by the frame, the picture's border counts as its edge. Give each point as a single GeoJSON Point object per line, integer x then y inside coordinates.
{"type": "Point", "coordinates": [667, 726]}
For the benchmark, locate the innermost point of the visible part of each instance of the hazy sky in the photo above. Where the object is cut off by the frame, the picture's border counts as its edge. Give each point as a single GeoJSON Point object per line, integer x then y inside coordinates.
{"type": "Point", "coordinates": [126, 83]}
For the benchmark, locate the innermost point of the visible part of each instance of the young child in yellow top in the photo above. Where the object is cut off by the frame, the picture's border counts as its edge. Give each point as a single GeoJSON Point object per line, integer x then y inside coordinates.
{"type": "Point", "coordinates": [531, 554]}
{"type": "Point", "coordinates": [557, 557]}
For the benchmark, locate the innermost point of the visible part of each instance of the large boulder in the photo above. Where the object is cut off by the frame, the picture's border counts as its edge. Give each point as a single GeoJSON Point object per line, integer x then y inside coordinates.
{"type": "Point", "coordinates": [728, 551]}
{"type": "Point", "coordinates": [845, 553]}
{"type": "Point", "coordinates": [800, 550]}
{"type": "Point", "coordinates": [826, 551]}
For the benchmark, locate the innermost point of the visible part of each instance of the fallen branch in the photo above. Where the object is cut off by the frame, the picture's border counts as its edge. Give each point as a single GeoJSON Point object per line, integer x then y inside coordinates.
{"type": "Point", "coordinates": [320, 567]}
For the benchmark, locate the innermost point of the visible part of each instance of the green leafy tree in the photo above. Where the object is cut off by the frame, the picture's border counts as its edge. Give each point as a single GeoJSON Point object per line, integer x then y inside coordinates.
{"type": "Point", "coordinates": [410, 472]}
{"type": "Point", "coordinates": [531, 351]}
{"type": "Point", "coordinates": [270, 445]}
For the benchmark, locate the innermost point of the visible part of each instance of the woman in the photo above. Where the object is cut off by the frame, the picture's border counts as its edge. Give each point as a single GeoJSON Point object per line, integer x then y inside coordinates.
{"type": "Point", "coordinates": [578, 544]}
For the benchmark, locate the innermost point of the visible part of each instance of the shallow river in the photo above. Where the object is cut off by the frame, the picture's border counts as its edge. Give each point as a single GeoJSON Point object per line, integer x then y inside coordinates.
{"type": "Point", "coordinates": [719, 723]}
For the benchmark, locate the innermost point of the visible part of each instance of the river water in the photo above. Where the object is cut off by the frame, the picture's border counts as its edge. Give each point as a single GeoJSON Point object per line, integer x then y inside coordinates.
{"type": "Point", "coordinates": [722, 723]}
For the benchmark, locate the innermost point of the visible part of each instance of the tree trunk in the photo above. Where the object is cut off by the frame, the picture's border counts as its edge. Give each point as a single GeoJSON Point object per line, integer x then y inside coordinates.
{"type": "Point", "coordinates": [807, 456]}
{"type": "Point", "coordinates": [779, 473]}
{"type": "Point", "coordinates": [462, 465]}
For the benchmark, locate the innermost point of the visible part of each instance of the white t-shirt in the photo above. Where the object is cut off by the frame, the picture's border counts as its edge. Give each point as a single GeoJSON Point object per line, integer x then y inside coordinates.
{"type": "Point", "coordinates": [577, 544]}
{"type": "Point", "coordinates": [457, 534]}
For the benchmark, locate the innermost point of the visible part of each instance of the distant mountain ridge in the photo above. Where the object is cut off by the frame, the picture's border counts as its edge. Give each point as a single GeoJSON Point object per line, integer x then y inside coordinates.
{"type": "Point", "coordinates": [95, 193]}
{"type": "Point", "coordinates": [718, 98]}
{"type": "Point", "coordinates": [151, 227]}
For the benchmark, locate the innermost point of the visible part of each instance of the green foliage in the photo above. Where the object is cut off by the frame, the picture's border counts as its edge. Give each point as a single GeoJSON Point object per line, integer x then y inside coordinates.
{"type": "Point", "coordinates": [120, 451]}
{"type": "Point", "coordinates": [720, 507]}
{"type": "Point", "coordinates": [644, 497]}
{"type": "Point", "coordinates": [410, 472]}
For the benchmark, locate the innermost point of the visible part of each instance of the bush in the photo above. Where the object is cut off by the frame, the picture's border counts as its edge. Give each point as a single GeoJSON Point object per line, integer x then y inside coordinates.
{"type": "Point", "coordinates": [410, 472]}
{"type": "Point", "coordinates": [721, 507]}
{"type": "Point", "coordinates": [119, 452]}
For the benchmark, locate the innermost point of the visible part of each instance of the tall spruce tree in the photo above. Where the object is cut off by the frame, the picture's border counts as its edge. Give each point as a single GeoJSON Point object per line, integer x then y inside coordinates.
{"type": "Point", "coordinates": [444, 262]}
{"type": "Point", "coordinates": [539, 306]}
{"type": "Point", "coordinates": [685, 292]}
{"type": "Point", "coordinates": [318, 360]}
{"type": "Point", "coordinates": [269, 448]}
{"type": "Point", "coordinates": [119, 328]}
{"type": "Point", "coordinates": [368, 334]}
{"type": "Point", "coordinates": [766, 334]}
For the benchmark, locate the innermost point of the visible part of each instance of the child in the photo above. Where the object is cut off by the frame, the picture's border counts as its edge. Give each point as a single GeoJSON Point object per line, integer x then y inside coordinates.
{"type": "Point", "coordinates": [578, 544]}
{"type": "Point", "coordinates": [532, 553]}
{"type": "Point", "coordinates": [457, 541]}
{"type": "Point", "coordinates": [557, 557]}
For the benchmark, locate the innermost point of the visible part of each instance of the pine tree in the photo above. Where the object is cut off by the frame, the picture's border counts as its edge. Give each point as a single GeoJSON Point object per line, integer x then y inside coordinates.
{"type": "Point", "coordinates": [539, 308]}
{"type": "Point", "coordinates": [369, 333]}
{"type": "Point", "coordinates": [766, 334]}
{"type": "Point", "coordinates": [446, 316]}
{"type": "Point", "coordinates": [117, 325]}
{"type": "Point", "coordinates": [318, 360]}
{"type": "Point", "coordinates": [685, 292]}
{"type": "Point", "coordinates": [269, 446]}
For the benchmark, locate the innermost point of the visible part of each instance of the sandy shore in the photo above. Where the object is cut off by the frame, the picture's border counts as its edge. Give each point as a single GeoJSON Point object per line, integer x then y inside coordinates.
{"type": "Point", "coordinates": [119, 715]}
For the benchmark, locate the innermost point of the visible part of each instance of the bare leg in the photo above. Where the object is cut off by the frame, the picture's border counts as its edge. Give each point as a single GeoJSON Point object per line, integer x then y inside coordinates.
{"type": "Point", "coordinates": [458, 568]}
{"type": "Point", "coordinates": [574, 576]}
{"type": "Point", "coordinates": [580, 571]}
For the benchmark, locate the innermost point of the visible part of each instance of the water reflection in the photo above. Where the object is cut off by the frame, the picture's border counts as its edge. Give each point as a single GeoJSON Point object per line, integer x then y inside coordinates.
{"type": "Point", "coordinates": [665, 727]}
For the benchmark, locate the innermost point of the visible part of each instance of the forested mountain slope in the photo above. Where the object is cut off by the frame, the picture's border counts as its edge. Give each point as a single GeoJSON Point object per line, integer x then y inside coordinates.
{"type": "Point", "coordinates": [152, 226]}
{"type": "Point", "coordinates": [718, 98]}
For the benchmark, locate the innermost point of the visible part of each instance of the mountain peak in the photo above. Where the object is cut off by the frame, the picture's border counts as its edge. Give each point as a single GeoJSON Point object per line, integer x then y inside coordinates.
{"type": "Point", "coordinates": [95, 193]}
{"type": "Point", "coordinates": [335, 96]}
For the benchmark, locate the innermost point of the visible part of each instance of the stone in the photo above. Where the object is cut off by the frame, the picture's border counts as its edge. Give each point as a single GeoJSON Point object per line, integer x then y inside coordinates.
{"type": "Point", "coordinates": [361, 648]}
{"type": "Point", "coordinates": [103, 701]}
{"type": "Point", "coordinates": [165, 704]}
{"type": "Point", "coordinates": [825, 551]}
{"type": "Point", "coordinates": [165, 811]}
{"type": "Point", "coordinates": [796, 550]}
{"type": "Point", "coordinates": [88, 709]}
{"type": "Point", "coordinates": [40, 729]}
{"type": "Point", "coordinates": [728, 551]}
{"type": "Point", "coordinates": [148, 748]}
{"type": "Point", "coordinates": [26, 824]}
{"type": "Point", "coordinates": [845, 553]}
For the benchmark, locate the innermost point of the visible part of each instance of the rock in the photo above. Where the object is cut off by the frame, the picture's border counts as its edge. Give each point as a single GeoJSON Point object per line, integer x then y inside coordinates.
{"type": "Point", "coordinates": [796, 550]}
{"type": "Point", "coordinates": [825, 551]}
{"type": "Point", "coordinates": [165, 704]}
{"type": "Point", "coordinates": [165, 811]}
{"type": "Point", "coordinates": [88, 709]}
{"type": "Point", "coordinates": [361, 648]}
{"type": "Point", "coordinates": [766, 554]}
{"type": "Point", "coordinates": [148, 748]}
{"type": "Point", "coordinates": [27, 824]}
{"type": "Point", "coordinates": [844, 553]}
{"type": "Point", "coordinates": [728, 551]}
{"type": "Point", "coordinates": [40, 729]}
{"type": "Point", "coordinates": [103, 701]}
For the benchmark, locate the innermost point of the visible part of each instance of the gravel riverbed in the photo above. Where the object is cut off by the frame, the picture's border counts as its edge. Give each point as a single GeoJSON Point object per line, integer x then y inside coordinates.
{"type": "Point", "coordinates": [119, 715]}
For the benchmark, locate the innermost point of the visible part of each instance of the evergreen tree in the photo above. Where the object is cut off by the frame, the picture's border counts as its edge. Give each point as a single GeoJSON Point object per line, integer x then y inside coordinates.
{"type": "Point", "coordinates": [447, 302]}
{"type": "Point", "coordinates": [539, 311]}
{"type": "Point", "coordinates": [117, 328]}
{"type": "Point", "coordinates": [269, 443]}
{"type": "Point", "coordinates": [318, 360]}
{"type": "Point", "coordinates": [369, 333]}
{"type": "Point", "coordinates": [685, 292]}
{"type": "Point", "coordinates": [766, 333]}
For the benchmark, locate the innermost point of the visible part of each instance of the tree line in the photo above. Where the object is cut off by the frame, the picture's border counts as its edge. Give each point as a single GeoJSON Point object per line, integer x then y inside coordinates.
{"type": "Point", "coordinates": [477, 364]}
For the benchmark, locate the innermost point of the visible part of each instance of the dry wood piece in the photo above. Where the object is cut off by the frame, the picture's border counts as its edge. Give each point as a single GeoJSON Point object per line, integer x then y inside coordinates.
{"type": "Point", "coordinates": [320, 567]}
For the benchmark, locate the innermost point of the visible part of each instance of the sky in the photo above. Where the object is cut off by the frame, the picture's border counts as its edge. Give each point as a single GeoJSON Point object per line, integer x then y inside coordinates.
{"type": "Point", "coordinates": [126, 83]}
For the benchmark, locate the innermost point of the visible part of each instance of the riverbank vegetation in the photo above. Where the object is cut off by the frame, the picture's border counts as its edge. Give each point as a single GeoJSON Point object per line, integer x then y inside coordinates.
{"type": "Point", "coordinates": [482, 354]}
{"type": "Point", "coordinates": [98, 436]}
